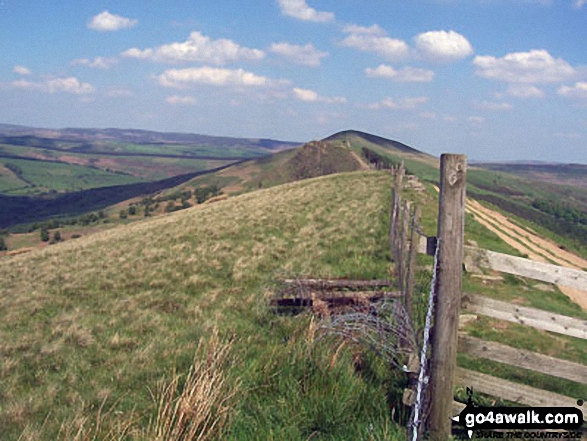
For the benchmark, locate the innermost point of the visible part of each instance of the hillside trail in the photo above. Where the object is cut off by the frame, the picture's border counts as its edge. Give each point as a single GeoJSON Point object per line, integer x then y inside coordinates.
{"type": "Point", "coordinates": [528, 242]}
{"type": "Point", "coordinates": [362, 164]}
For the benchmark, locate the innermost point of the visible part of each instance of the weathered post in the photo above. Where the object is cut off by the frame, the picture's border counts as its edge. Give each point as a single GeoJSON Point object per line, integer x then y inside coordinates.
{"type": "Point", "coordinates": [402, 270]}
{"type": "Point", "coordinates": [412, 260]}
{"type": "Point", "coordinates": [451, 222]}
{"type": "Point", "coordinates": [395, 211]}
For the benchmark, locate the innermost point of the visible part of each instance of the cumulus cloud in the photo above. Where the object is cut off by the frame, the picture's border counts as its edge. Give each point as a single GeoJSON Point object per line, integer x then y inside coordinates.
{"type": "Point", "coordinates": [21, 70]}
{"type": "Point", "coordinates": [97, 62]}
{"type": "Point", "coordinates": [56, 85]}
{"type": "Point", "coordinates": [374, 39]}
{"type": "Point", "coordinates": [578, 4]}
{"type": "Point", "coordinates": [535, 66]}
{"type": "Point", "coordinates": [405, 75]}
{"type": "Point", "coordinates": [579, 90]}
{"type": "Point", "coordinates": [490, 105]}
{"type": "Point", "coordinates": [408, 103]}
{"type": "Point", "coordinates": [182, 78]}
{"type": "Point", "coordinates": [107, 22]}
{"type": "Point", "coordinates": [306, 55]}
{"type": "Point", "coordinates": [524, 91]}
{"type": "Point", "coordinates": [443, 45]}
{"type": "Point", "coordinates": [299, 9]}
{"type": "Point", "coordinates": [199, 48]}
{"type": "Point", "coordinates": [310, 96]}
{"type": "Point", "coordinates": [181, 100]}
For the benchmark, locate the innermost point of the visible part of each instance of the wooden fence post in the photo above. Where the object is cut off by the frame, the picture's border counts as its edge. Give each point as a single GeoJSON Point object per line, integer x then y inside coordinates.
{"type": "Point", "coordinates": [451, 221]}
{"type": "Point", "coordinates": [403, 246]}
{"type": "Point", "coordinates": [412, 260]}
{"type": "Point", "coordinates": [395, 211]}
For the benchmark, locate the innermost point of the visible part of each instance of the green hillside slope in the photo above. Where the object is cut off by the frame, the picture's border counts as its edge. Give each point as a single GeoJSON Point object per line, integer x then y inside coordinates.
{"type": "Point", "coordinates": [96, 323]}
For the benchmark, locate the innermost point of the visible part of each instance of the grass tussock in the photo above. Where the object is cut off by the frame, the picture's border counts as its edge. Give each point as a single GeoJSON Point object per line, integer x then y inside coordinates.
{"type": "Point", "coordinates": [200, 410]}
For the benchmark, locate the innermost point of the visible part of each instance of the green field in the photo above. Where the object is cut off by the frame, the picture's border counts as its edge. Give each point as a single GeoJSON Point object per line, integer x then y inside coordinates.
{"type": "Point", "coordinates": [42, 176]}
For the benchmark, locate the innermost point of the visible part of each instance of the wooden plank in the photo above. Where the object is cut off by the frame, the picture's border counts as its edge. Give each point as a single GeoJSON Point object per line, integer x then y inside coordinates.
{"type": "Point", "coordinates": [524, 315]}
{"type": "Point", "coordinates": [523, 359]}
{"type": "Point", "coordinates": [451, 224]}
{"type": "Point", "coordinates": [325, 284]}
{"type": "Point", "coordinates": [333, 300]}
{"type": "Point", "coordinates": [508, 390]}
{"type": "Point", "coordinates": [457, 408]}
{"type": "Point", "coordinates": [519, 266]}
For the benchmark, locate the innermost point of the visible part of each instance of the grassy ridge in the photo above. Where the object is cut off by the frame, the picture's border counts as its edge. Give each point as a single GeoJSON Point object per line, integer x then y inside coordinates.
{"type": "Point", "coordinates": [99, 321]}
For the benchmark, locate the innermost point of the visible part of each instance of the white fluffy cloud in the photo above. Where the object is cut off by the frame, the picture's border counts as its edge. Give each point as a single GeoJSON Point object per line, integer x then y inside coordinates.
{"type": "Point", "coordinates": [535, 66]}
{"type": "Point", "coordinates": [579, 90]}
{"type": "Point", "coordinates": [199, 48]}
{"type": "Point", "coordinates": [182, 78]}
{"type": "Point", "coordinates": [409, 103]}
{"type": "Point", "coordinates": [107, 22]}
{"type": "Point", "coordinates": [299, 9]}
{"type": "Point", "coordinates": [443, 45]}
{"type": "Point", "coordinates": [56, 85]}
{"type": "Point", "coordinates": [21, 70]}
{"type": "Point", "coordinates": [578, 4]}
{"type": "Point", "coordinates": [181, 100]}
{"type": "Point", "coordinates": [97, 62]}
{"type": "Point", "coordinates": [374, 39]}
{"type": "Point", "coordinates": [524, 91]}
{"type": "Point", "coordinates": [405, 75]}
{"type": "Point", "coordinates": [306, 55]}
{"type": "Point", "coordinates": [310, 96]}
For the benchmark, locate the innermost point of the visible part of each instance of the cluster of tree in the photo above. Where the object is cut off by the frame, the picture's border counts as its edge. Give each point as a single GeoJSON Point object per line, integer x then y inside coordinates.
{"type": "Point", "coordinates": [202, 194]}
{"type": "Point", "coordinates": [45, 236]}
{"type": "Point", "coordinates": [177, 200]}
{"type": "Point", "coordinates": [84, 220]}
{"type": "Point", "coordinates": [560, 211]}
{"type": "Point", "coordinates": [380, 161]}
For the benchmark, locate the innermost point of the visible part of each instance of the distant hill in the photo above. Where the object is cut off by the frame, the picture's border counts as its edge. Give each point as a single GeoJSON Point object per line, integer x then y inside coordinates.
{"type": "Point", "coordinates": [563, 174]}
{"type": "Point", "coordinates": [143, 137]}
{"type": "Point", "coordinates": [348, 135]}
{"type": "Point", "coordinates": [342, 152]}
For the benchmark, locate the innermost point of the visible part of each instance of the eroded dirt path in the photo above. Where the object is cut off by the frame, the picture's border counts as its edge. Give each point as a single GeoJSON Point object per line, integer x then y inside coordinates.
{"type": "Point", "coordinates": [527, 242]}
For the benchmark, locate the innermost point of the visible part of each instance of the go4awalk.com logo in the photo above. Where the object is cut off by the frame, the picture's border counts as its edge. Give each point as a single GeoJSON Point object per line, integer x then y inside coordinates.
{"type": "Point", "coordinates": [521, 422]}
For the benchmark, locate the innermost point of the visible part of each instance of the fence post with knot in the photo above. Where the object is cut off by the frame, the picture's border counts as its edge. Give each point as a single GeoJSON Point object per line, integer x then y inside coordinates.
{"type": "Point", "coordinates": [451, 222]}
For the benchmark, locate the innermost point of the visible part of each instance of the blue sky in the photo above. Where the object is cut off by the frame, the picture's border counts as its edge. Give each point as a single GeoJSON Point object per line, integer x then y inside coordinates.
{"type": "Point", "coordinates": [495, 79]}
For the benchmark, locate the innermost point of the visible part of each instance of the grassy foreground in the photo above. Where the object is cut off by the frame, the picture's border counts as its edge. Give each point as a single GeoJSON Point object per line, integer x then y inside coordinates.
{"type": "Point", "coordinates": [97, 336]}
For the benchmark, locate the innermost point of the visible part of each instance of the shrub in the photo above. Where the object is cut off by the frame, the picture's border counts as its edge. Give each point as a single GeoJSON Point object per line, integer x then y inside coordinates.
{"type": "Point", "coordinates": [44, 234]}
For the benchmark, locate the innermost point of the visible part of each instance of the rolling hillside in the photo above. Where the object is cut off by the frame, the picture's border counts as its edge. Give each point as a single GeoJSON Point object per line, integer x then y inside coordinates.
{"type": "Point", "coordinates": [99, 321]}
{"type": "Point", "coordinates": [91, 330]}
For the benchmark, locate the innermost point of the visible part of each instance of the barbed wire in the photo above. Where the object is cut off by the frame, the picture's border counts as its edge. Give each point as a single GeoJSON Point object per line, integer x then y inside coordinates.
{"type": "Point", "coordinates": [420, 404]}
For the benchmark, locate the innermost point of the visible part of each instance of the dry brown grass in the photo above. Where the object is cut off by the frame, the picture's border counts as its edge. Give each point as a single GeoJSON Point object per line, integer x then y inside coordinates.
{"type": "Point", "coordinates": [201, 409]}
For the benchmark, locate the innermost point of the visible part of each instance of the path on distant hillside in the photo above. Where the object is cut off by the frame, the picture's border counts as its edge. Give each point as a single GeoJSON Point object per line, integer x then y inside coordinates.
{"type": "Point", "coordinates": [527, 242]}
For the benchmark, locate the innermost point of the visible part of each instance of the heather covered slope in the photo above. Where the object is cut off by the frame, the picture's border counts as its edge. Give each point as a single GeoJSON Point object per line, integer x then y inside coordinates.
{"type": "Point", "coordinates": [96, 323]}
